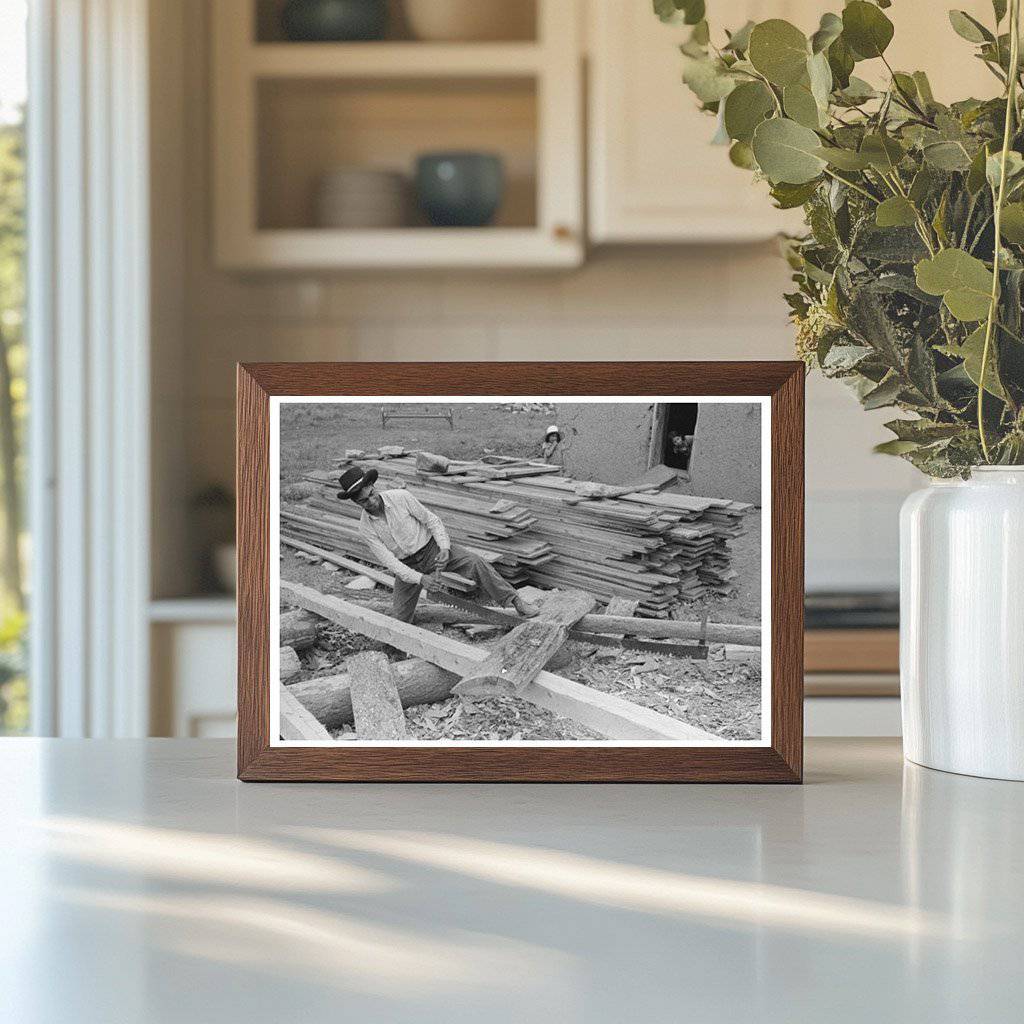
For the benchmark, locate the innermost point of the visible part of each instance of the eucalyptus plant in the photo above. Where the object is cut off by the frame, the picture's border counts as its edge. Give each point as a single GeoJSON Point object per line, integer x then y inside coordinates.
{"type": "Point", "coordinates": [910, 278]}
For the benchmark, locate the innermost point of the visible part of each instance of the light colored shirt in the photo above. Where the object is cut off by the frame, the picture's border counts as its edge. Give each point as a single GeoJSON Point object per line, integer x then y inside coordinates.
{"type": "Point", "coordinates": [403, 529]}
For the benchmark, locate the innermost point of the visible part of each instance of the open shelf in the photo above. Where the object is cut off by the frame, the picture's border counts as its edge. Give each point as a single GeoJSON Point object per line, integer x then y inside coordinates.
{"type": "Point", "coordinates": [308, 127]}
{"type": "Point", "coordinates": [392, 60]}
{"type": "Point", "coordinates": [520, 22]}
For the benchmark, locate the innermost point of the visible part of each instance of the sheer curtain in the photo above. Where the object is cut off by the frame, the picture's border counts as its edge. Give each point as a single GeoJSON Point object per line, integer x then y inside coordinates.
{"type": "Point", "coordinates": [88, 300]}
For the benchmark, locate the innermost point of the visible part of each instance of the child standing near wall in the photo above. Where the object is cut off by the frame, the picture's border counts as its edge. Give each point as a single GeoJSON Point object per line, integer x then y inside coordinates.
{"type": "Point", "coordinates": [551, 446]}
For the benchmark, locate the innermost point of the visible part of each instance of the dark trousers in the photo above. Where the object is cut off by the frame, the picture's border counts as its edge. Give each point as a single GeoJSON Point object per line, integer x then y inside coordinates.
{"type": "Point", "coordinates": [495, 588]}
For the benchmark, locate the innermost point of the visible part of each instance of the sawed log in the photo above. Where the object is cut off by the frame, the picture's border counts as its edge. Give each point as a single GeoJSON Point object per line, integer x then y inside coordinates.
{"type": "Point", "coordinates": [376, 707]}
{"type": "Point", "coordinates": [329, 698]}
{"type": "Point", "coordinates": [517, 658]}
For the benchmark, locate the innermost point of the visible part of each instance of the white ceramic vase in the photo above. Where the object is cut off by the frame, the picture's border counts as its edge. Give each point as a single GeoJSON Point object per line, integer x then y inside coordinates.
{"type": "Point", "coordinates": [962, 624]}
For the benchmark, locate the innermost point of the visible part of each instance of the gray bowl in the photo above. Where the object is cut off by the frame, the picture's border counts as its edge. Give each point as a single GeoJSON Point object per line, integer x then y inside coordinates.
{"type": "Point", "coordinates": [460, 189]}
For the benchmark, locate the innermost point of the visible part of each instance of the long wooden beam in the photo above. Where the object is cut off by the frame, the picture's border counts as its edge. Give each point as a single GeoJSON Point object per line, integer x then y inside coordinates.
{"type": "Point", "coordinates": [297, 723]}
{"type": "Point", "coordinates": [610, 716]}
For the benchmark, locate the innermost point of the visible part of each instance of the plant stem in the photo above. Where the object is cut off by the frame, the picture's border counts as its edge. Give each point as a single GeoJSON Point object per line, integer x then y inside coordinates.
{"type": "Point", "coordinates": [1011, 108]}
{"type": "Point", "coordinates": [907, 99]}
{"type": "Point", "coordinates": [853, 185]}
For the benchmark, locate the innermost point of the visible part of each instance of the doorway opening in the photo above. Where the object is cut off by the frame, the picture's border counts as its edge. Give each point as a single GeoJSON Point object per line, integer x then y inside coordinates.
{"type": "Point", "coordinates": [680, 419]}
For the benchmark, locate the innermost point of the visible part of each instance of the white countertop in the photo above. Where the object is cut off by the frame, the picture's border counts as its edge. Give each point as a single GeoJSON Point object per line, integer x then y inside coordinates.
{"type": "Point", "coordinates": [140, 882]}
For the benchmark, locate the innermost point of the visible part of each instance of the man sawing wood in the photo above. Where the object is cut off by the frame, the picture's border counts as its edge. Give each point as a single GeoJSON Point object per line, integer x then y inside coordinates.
{"type": "Point", "coordinates": [413, 543]}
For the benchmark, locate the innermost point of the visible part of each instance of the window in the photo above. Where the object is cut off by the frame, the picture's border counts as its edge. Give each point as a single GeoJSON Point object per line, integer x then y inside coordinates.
{"type": "Point", "coordinates": [14, 706]}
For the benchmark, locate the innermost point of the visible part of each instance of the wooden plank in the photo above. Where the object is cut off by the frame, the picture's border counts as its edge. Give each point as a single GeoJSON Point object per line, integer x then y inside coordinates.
{"type": "Point", "coordinates": [523, 652]}
{"type": "Point", "coordinates": [365, 570]}
{"type": "Point", "coordinates": [297, 723]}
{"type": "Point", "coordinates": [621, 606]}
{"type": "Point", "coordinates": [376, 706]}
{"type": "Point", "coordinates": [616, 625]}
{"type": "Point", "coordinates": [609, 716]}
{"type": "Point", "coordinates": [717, 632]}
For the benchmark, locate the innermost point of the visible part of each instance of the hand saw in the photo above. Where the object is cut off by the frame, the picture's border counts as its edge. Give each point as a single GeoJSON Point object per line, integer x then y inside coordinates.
{"type": "Point", "coordinates": [442, 595]}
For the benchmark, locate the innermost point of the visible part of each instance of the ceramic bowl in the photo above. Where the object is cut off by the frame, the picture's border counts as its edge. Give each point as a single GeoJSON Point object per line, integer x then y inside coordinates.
{"type": "Point", "coordinates": [460, 189]}
{"type": "Point", "coordinates": [359, 197]}
{"type": "Point", "coordinates": [470, 20]}
{"type": "Point", "coordinates": [333, 21]}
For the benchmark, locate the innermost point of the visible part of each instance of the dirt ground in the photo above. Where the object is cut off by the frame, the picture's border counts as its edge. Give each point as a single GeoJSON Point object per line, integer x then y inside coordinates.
{"type": "Point", "coordinates": [719, 696]}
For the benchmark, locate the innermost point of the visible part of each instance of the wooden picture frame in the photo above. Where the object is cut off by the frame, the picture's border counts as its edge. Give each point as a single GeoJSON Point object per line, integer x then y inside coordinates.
{"type": "Point", "coordinates": [778, 759]}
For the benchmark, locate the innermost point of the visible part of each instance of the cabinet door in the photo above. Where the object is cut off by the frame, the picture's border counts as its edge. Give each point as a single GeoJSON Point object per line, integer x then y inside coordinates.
{"type": "Point", "coordinates": [654, 176]}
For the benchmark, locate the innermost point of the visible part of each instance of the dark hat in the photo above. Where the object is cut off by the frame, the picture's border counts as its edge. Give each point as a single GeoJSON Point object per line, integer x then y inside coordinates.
{"type": "Point", "coordinates": [353, 480]}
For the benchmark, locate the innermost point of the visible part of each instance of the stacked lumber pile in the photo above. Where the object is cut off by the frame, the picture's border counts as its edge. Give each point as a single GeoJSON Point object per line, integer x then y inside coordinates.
{"type": "Point", "coordinates": [538, 526]}
{"type": "Point", "coordinates": [496, 529]}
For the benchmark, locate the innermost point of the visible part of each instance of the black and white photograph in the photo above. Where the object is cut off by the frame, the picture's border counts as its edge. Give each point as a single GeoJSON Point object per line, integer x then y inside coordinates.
{"type": "Point", "coordinates": [517, 570]}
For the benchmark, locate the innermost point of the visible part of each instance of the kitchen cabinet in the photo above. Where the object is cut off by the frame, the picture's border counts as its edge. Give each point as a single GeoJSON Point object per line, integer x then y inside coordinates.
{"type": "Point", "coordinates": [288, 114]}
{"type": "Point", "coordinates": [653, 175]}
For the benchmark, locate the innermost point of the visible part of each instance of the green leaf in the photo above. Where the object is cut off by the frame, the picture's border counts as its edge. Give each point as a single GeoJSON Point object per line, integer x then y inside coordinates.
{"type": "Point", "coordinates": [779, 51]}
{"type": "Point", "coordinates": [895, 212]}
{"type": "Point", "coordinates": [787, 152]}
{"type": "Point", "coordinates": [829, 30]}
{"type": "Point", "coordinates": [801, 106]}
{"type": "Point", "coordinates": [976, 173]}
{"type": "Point", "coordinates": [971, 352]}
{"type": "Point", "coordinates": [969, 28]}
{"type": "Point", "coordinates": [841, 63]}
{"type": "Point", "coordinates": [993, 167]}
{"type": "Point", "coordinates": [745, 108]}
{"type": "Point", "coordinates": [665, 10]}
{"type": "Point", "coordinates": [905, 84]}
{"type": "Point", "coordinates": [858, 91]}
{"type": "Point", "coordinates": [922, 185]}
{"type": "Point", "coordinates": [844, 159]}
{"type": "Point", "coordinates": [739, 41]}
{"type": "Point", "coordinates": [895, 447]}
{"type": "Point", "coordinates": [866, 29]}
{"type": "Point", "coordinates": [999, 9]}
{"type": "Point", "coordinates": [889, 245]}
{"type": "Point", "coordinates": [963, 281]}
{"type": "Point", "coordinates": [707, 78]}
{"type": "Point", "coordinates": [1011, 226]}
{"type": "Point", "coordinates": [923, 431]}
{"type": "Point", "coordinates": [885, 394]}
{"type": "Point", "coordinates": [701, 34]}
{"type": "Point", "coordinates": [721, 136]}
{"type": "Point", "coordinates": [690, 12]}
{"type": "Point", "coordinates": [788, 196]}
{"type": "Point", "coordinates": [947, 156]}
{"type": "Point", "coordinates": [693, 10]}
{"type": "Point", "coordinates": [924, 88]}
{"type": "Point", "coordinates": [819, 74]}
{"type": "Point", "coordinates": [883, 152]}
{"type": "Point", "coordinates": [741, 155]}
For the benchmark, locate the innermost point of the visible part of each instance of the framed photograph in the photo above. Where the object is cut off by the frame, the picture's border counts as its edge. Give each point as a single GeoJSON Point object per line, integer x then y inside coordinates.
{"type": "Point", "coordinates": [511, 572]}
